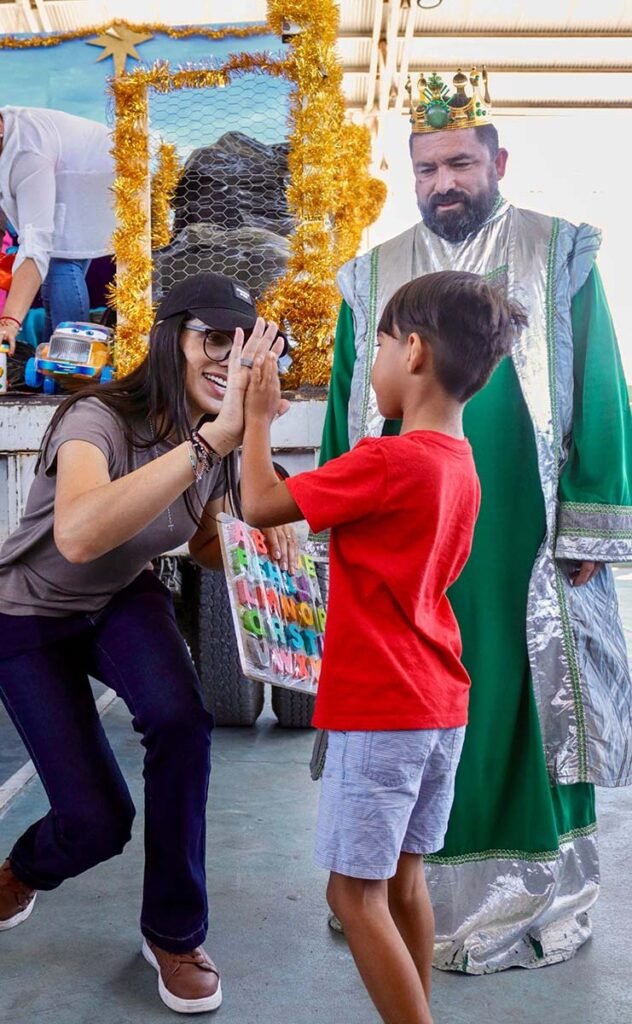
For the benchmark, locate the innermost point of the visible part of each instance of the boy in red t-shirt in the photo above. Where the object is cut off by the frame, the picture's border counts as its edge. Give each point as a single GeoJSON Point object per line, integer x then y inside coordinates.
{"type": "Point", "coordinates": [393, 692]}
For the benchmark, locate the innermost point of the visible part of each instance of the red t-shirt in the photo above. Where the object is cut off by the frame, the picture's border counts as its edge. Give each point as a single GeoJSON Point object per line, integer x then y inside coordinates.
{"type": "Point", "coordinates": [402, 512]}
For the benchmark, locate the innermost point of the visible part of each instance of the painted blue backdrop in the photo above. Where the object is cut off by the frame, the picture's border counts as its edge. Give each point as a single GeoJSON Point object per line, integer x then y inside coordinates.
{"type": "Point", "coordinates": [68, 77]}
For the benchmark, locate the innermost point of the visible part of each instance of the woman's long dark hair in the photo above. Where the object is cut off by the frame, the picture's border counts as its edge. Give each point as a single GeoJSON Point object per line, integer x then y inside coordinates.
{"type": "Point", "coordinates": [155, 391]}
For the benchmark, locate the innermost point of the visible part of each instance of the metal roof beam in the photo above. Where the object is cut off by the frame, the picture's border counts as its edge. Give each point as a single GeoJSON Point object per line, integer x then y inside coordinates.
{"type": "Point", "coordinates": [409, 35]}
{"type": "Point", "coordinates": [378, 13]}
{"type": "Point", "coordinates": [389, 52]}
{"type": "Point", "coordinates": [467, 32]}
{"type": "Point", "coordinates": [544, 104]}
{"type": "Point", "coordinates": [506, 68]}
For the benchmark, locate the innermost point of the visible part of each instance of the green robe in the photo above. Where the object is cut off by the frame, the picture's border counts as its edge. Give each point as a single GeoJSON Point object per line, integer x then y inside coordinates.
{"type": "Point", "coordinates": [504, 803]}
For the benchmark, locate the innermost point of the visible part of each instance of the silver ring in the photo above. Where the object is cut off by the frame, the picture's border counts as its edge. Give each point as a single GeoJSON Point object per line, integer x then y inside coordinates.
{"type": "Point", "coordinates": [247, 362]}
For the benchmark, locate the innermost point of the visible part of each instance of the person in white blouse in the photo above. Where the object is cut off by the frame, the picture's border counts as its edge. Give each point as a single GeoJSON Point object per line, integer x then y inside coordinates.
{"type": "Point", "coordinates": [56, 177]}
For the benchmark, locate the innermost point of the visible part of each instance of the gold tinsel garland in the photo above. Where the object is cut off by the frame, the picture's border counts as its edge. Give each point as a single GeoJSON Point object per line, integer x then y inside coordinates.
{"type": "Point", "coordinates": [163, 188]}
{"type": "Point", "coordinates": [130, 294]}
{"type": "Point", "coordinates": [54, 39]}
{"type": "Point", "coordinates": [331, 194]}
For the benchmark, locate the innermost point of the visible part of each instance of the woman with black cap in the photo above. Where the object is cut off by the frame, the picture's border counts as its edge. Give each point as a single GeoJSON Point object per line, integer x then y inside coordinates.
{"type": "Point", "coordinates": [127, 471]}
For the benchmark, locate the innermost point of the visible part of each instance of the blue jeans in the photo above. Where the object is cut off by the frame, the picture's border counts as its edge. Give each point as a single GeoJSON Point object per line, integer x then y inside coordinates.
{"type": "Point", "coordinates": [133, 646]}
{"type": "Point", "coordinates": [65, 293]}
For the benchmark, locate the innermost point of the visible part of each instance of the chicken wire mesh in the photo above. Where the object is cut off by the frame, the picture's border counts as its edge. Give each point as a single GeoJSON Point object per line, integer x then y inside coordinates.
{"type": "Point", "coordinates": [229, 213]}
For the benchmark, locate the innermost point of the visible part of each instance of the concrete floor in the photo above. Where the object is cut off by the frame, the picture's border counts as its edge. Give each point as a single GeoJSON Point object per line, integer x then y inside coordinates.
{"type": "Point", "coordinates": [76, 961]}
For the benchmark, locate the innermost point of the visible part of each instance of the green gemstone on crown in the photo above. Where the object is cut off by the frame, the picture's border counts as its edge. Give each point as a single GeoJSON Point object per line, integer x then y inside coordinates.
{"type": "Point", "coordinates": [436, 115]}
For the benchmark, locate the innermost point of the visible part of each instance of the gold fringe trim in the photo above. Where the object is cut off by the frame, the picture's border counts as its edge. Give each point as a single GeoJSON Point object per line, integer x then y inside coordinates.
{"type": "Point", "coordinates": [163, 188]}
{"type": "Point", "coordinates": [55, 38]}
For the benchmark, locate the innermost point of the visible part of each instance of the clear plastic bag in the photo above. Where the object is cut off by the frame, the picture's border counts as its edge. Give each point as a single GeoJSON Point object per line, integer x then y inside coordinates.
{"type": "Point", "coordinates": [279, 618]}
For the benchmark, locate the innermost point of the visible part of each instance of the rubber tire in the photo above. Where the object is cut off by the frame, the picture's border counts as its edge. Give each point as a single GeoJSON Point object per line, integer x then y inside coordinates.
{"type": "Point", "coordinates": [293, 709]}
{"type": "Point", "coordinates": [206, 622]}
{"type": "Point", "coordinates": [49, 386]}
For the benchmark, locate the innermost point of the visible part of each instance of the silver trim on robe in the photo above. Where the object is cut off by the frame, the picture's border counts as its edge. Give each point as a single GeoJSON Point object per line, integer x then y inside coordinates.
{"type": "Point", "coordinates": [550, 902]}
{"type": "Point", "coordinates": [582, 526]}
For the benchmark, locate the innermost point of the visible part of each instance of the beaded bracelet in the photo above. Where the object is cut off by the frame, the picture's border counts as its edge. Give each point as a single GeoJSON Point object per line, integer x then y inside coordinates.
{"type": "Point", "coordinates": [193, 459]}
{"type": "Point", "coordinates": [200, 461]}
{"type": "Point", "coordinates": [214, 457]}
{"type": "Point", "coordinates": [202, 457]}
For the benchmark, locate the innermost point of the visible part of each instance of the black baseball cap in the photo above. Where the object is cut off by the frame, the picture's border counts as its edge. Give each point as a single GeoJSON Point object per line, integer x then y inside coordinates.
{"type": "Point", "coordinates": [218, 301]}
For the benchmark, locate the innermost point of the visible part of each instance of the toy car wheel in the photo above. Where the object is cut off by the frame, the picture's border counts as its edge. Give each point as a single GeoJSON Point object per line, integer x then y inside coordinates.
{"type": "Point", "coordinates": [50, 386]}
{"type": "Point", "coordinates": [107, 374]}
{"type": "Point", "coordinates": [32, 377]}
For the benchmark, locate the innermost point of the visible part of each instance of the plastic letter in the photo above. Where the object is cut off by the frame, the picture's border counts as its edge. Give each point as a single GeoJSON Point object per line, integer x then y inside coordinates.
{"type": "Point", "coordinates": [276, 629]}
{"type": "Point", "coordinates": [238, 534]}
{"type": "Point", "coordinates": [289, 608]}
{"type": "Point", "coordinates": [240, 560]}
{"type": "Point", "coordinates": [294, 637]}
{"type": "Point", "coordinates": [252, 622]}
{"type": "Point", "coordinates": [244, 593]}
{"type": "Point", "coordinates": [259, 542]}
{"type": "Point", "coordinates": [309, 639]}
{"type": "Point", "coordinates": [307, 564]}
{"type": "Point", "coordinates": [305, 614]}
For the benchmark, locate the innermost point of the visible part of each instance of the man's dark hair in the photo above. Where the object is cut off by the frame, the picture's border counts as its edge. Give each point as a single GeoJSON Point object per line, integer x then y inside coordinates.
{"type": "Point", "coordinates": [469, 324]}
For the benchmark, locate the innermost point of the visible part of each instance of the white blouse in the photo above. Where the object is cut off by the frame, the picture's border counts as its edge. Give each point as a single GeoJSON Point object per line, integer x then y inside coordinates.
{"type": "Point", "coordinates": [56, 176]}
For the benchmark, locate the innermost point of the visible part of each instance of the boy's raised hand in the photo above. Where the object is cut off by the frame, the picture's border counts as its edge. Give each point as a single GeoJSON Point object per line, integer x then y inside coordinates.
{"type": "Point", "coordinates": [242, 358]}
{"type": "Point", "coordinates": [263, 398]}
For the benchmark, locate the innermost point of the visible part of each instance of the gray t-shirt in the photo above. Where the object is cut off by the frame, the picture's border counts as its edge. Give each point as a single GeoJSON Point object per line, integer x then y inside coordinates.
{"type": "Point", "coordinates": [35, 579]}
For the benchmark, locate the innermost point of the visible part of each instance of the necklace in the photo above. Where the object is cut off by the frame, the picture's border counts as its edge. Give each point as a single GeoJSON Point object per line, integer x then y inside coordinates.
{"type": "Point", "coordinates": [170, 523]}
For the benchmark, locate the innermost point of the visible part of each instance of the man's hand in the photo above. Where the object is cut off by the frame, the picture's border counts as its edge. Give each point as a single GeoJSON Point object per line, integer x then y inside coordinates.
{"type": "Point", "coordinates": [586, 572]}
{"type": "Point", "coordinates": [283, 546]}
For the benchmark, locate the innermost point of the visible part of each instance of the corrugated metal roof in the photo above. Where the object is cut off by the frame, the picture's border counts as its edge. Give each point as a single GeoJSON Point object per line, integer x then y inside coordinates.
{"type": "Point", "coordinates": [548, 50]}
{"type": "Point", "coordinates": [566, 51]}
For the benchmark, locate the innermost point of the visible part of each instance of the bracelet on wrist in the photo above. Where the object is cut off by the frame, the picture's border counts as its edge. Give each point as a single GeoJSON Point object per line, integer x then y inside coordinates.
{"type": "Point", "coordinates": [200, 462]}
{"type": "Point", "coordinates": [193, 459]}
{"type": "Point", "coordinates": [214, 457]}
{"type": "Point", "coordinates": [12, 319]}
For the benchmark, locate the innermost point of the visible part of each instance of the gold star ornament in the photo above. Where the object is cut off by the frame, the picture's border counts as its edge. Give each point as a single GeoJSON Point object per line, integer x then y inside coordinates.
{"type": "Point", "coordinates": [119, 42]}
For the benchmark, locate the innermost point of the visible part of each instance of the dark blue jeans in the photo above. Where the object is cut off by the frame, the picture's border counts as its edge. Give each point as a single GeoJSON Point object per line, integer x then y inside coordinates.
{"type": "Point", "coordinates": [65, 293]}
{"type": "Point", "coordinates": [133, 646]}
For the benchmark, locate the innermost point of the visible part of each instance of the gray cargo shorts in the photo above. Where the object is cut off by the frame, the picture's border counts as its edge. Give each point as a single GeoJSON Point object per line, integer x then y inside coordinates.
{"type": "Point", "coordinates": [384, 793]}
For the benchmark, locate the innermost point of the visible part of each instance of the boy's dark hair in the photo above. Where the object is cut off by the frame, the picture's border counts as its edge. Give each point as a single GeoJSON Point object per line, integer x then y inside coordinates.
{"type": "Point", "coordinates": [469, 323]}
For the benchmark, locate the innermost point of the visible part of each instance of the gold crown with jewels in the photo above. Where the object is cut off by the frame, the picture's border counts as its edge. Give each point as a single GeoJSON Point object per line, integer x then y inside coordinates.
{"type": "Point", "coordinates": [436, 110]}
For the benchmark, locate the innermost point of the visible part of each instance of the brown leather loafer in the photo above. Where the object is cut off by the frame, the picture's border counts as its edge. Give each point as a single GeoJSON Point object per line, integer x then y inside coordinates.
{"type": "Point", "coordinates": [187, 982]}
{"type": "Point", "coordinates": [16, 899]}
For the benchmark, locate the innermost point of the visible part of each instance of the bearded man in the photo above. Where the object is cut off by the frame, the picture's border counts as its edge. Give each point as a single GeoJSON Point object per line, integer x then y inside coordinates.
{"type": "Point", "coordinates": [551, 703]}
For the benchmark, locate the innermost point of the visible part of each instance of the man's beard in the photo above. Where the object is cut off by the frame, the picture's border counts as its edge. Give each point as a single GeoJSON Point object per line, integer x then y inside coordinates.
{"type": "Point", "coordinates": [455, 225]}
